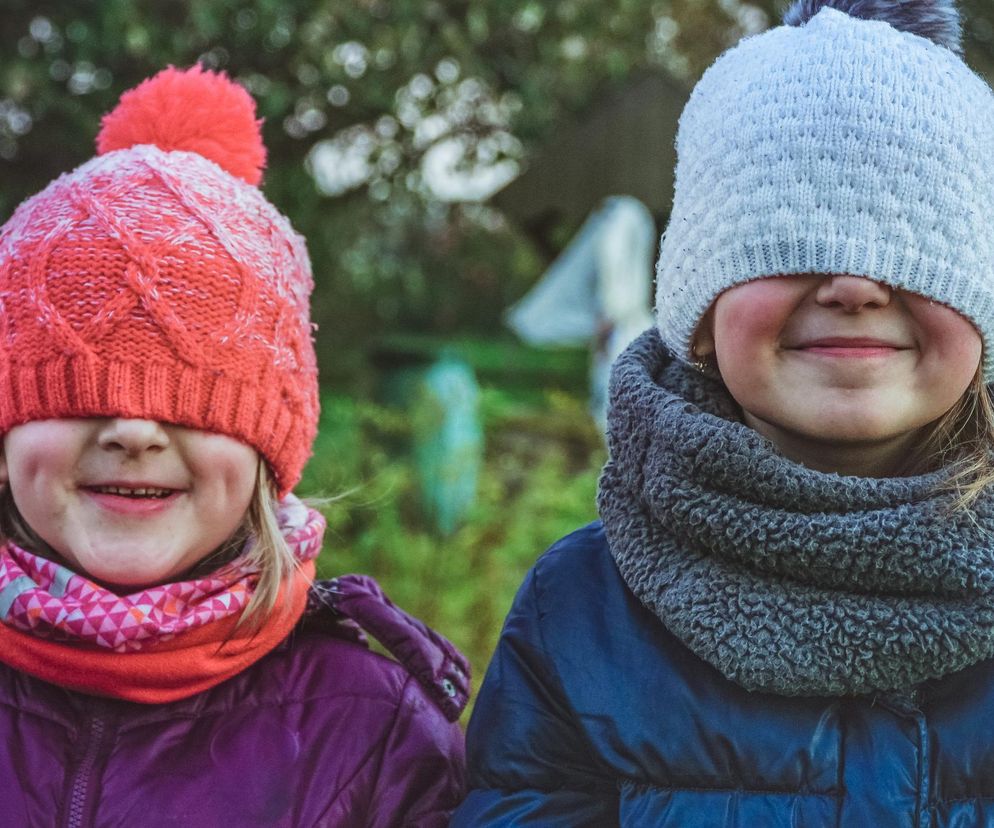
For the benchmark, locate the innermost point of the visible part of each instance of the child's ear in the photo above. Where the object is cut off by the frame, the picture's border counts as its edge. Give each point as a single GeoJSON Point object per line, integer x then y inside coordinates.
{"type": "Point", "coordinates": [702, 344]}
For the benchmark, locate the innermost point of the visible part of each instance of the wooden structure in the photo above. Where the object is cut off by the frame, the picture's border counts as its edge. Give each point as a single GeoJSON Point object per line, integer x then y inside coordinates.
{"type": "Point", "coordinates": [623, 146]}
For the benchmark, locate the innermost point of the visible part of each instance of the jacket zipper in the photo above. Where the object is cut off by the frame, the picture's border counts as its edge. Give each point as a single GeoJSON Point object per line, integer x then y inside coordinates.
{"type": "Point", "coordinates": [924, 813]}
{"type": "Point", "coordinates": [83, 778]}
{"type": "Point", "coordinates": [908, 708]}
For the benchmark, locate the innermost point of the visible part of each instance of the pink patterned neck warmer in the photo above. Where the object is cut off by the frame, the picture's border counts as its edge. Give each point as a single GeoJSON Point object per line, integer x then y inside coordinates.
{"type": "Point", "coordinates": [50, 601]}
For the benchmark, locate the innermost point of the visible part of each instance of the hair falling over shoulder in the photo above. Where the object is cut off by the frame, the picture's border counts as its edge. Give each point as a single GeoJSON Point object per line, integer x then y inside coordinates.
{"type": "Point", "coordinates": [268, 551]}
{"type": "Point", "coordinates": [963, 439]}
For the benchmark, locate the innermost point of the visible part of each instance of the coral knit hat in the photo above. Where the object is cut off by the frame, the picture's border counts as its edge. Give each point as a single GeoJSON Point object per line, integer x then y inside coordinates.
{"type": "Point", "coordinates": [155, 281]}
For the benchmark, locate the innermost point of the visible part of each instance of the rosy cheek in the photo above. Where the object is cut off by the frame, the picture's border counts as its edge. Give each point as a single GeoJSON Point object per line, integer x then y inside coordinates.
{"type": "Point", "coordinates": [34, 465]}
{"type": "Point", "coordinates": [233, 475]}
{"type": "Point", "coordinates": [952, 333]}
{"type": "Point", "coordinates": [739, 329]}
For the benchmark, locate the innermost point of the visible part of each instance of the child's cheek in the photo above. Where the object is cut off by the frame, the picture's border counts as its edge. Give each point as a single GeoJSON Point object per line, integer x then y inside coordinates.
{"type": "Point", "coordinates": [754, 315]}
{"type": "Point", "coordinates": [742, 336]}
{"type": "Point", "coordinates": [224, 467]}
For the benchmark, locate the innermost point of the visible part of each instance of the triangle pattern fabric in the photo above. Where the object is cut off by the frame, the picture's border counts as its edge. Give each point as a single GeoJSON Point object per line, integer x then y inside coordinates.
{"type": "Point", "coordinates": [53, 602]}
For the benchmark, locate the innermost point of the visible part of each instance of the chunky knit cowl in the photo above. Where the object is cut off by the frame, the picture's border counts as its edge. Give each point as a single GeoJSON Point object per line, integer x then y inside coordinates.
{"type": "Point", "coordinates": [785, 579]}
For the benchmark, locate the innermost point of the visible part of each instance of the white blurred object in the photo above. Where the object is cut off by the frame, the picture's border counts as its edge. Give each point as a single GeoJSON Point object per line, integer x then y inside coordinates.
{"type": "Point", "coordinates": [597, 292]}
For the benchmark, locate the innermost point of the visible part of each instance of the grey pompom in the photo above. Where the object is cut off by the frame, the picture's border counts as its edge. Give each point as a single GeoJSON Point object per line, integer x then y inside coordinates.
{"type": "Point", "coordinates": [937, 20]}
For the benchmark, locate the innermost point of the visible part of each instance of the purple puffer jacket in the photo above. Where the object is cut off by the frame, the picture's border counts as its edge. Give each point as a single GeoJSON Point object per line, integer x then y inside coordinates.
{"type": "Point", "coordinates": [320, 732]}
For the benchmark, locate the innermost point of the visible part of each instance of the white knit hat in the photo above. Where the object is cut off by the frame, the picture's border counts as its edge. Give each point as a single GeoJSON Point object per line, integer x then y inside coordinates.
{"type": "Point", "coordinates": [842, 145]}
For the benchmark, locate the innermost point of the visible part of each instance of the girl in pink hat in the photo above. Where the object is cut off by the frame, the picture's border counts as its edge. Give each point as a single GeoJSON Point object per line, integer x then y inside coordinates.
{"type": "Point", "coordinates": [166, 657]}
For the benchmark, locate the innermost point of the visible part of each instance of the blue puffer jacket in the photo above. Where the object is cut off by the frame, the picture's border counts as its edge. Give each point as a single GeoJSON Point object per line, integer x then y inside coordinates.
{"type": "Point", "coordinates": [592, 714]}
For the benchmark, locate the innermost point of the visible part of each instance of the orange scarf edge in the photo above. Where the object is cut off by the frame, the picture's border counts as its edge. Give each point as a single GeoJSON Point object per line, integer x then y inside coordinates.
{"type": "Point", "coordinates": [183, 666]}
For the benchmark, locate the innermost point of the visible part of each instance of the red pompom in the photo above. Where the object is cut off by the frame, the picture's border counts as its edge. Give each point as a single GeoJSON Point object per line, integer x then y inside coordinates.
{"type": "Point", "coordinates": [194, 110]}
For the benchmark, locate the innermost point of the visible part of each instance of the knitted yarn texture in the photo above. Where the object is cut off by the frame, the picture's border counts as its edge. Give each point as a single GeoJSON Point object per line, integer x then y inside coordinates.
{"type": "Point", "coordinates": [840, 146]}
{"type": "Point", "coordinates": [151, 282]}
{"type": "Point", "coordinates": [785, 579]}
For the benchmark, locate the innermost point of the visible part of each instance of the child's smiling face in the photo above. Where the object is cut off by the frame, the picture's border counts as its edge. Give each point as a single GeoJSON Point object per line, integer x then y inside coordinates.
{"type": "Point", "coordinates": [128, 502]}
{"type": "Point", "coordinates": [840, 372]}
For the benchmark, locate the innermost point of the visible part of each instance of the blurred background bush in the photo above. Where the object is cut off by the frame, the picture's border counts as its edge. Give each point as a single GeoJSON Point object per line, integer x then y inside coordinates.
{"type": "Point", "coordinates": [437, 155]}
{"type": "Point", "coordinates": [538, 482]}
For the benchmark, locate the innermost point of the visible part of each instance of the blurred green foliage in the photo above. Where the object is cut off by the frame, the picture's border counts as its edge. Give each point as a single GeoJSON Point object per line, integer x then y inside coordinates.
{"type": "Point", "coordinates": [391, 80]}
{"type": "Point", "coordinates": [538, 483]}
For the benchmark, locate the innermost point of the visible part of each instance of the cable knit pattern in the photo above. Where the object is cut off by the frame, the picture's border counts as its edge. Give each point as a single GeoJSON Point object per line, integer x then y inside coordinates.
{"type": "Point", "coordinates": [152, 283]}
{"type": "Point", "coordinates": [785, 579]}
{"type": "Point", "coordinates": [841, 146]}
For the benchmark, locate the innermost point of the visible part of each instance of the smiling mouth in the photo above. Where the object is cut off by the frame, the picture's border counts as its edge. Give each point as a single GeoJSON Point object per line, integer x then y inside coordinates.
{"type": "Point", "coordinates": [855, 347]}
{"type": "Point", "coordinates": [123, 491]}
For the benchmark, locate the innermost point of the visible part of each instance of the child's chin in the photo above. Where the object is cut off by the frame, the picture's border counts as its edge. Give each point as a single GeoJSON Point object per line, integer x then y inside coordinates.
{"type": "Point", "coordinates": [126, 585]}
{"type": "Point", "coordinates": [125, 578]}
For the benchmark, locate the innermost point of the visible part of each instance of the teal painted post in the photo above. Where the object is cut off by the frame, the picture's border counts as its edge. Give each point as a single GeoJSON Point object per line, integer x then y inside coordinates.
{"type": "Point", "coordinates": [447, 441]}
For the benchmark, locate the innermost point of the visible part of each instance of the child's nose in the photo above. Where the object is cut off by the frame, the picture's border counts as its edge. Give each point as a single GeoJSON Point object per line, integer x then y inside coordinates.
{"type": "Point", "coordinates": [852, 293]}
{"type": "Point", "coordinates": [132, 436]}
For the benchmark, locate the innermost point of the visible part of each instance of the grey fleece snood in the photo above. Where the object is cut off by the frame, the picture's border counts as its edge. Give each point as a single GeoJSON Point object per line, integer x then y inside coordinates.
{"type": "Point", "coordinates": [785, 579]}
